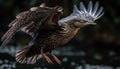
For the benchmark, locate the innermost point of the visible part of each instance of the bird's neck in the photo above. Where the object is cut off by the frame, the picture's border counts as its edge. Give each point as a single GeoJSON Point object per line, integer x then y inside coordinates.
{"type": "Point", "coordinates": [68, 33]}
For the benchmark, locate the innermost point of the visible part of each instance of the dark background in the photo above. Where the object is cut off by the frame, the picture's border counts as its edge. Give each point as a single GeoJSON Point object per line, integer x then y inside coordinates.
{"type": "Point", "coordinates": [102, 39]}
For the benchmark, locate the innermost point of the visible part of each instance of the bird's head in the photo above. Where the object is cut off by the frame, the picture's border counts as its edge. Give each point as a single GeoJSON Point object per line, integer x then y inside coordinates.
{"type": "Point", "coordinates": [82, 17]}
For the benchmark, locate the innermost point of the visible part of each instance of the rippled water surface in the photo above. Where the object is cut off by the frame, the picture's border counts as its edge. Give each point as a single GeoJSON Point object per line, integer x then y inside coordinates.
{"type": "Point", "coordinates": [90, 58]}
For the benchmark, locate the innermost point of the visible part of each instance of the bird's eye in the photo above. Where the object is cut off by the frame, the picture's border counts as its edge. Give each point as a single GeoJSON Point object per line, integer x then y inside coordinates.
{"type": "Point", "coordinates": [76, 23]}
{"type": "Point", "coordinates": [82, 21]}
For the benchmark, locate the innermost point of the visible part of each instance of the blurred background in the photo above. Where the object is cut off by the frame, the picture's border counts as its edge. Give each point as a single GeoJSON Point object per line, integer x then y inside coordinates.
{"type": "Point", "coordinates": [94, 47]}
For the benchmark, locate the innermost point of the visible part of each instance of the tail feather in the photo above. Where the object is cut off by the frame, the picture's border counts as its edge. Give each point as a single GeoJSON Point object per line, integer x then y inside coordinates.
{"type": "Point", "coordinates": [21, 56]}
{"type": "Point", "coordinates": [32, 59]}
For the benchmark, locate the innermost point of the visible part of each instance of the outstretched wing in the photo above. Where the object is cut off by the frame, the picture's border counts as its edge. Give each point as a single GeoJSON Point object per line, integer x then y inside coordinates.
{"type": "Point", "coordinates": [32, 20]}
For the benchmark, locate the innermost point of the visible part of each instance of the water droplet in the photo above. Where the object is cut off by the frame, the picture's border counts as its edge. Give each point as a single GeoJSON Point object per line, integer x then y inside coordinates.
{"type": "Point", "coordinates": [65, 59]}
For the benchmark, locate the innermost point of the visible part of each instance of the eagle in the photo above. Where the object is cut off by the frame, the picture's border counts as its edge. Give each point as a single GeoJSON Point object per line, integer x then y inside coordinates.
{"type": "Point", "coordinates": [48, 30]}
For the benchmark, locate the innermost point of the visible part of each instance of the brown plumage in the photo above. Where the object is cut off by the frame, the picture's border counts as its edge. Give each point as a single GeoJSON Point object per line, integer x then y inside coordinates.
{"type": "Point", "coordinates": [48, 32]}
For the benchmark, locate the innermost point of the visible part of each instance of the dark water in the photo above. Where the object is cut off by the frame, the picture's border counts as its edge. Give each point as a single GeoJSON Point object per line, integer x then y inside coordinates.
{"type": "Point", "coordinates": [88, 58]}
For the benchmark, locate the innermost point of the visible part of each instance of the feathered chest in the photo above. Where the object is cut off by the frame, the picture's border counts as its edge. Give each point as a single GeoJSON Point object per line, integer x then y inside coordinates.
{"type": "Point", "coordinates": [47, 37]}
{"type": "Point", "coordinates": [54, 37]}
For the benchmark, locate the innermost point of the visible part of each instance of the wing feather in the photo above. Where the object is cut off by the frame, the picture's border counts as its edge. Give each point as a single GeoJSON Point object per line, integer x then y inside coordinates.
{"type": "Point", "coordinates": [28, 21]}
{"type": "Point", "coordinates": [31, 28]}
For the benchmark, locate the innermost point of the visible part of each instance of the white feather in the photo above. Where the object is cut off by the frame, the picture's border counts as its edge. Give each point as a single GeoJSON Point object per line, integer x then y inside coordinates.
{"type": "Point", "coordinates": [90, 14]}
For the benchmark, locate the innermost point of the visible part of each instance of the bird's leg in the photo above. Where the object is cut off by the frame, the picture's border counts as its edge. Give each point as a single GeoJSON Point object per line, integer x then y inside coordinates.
{"type": "Point", "coordinates": [46, 57]}
{"type": "Point", "coordinates": [55, 58]}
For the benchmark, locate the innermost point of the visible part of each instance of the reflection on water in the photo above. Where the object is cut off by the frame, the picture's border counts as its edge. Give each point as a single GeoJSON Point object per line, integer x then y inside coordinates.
{"type": "Point", "coordinates": [6, 64]}
{"type": "Point", "coordinates": [72, 59]}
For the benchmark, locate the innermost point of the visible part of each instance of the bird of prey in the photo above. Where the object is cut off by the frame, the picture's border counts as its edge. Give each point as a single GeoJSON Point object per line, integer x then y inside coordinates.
{"type": "Point", "coordinates": [48, 31]}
